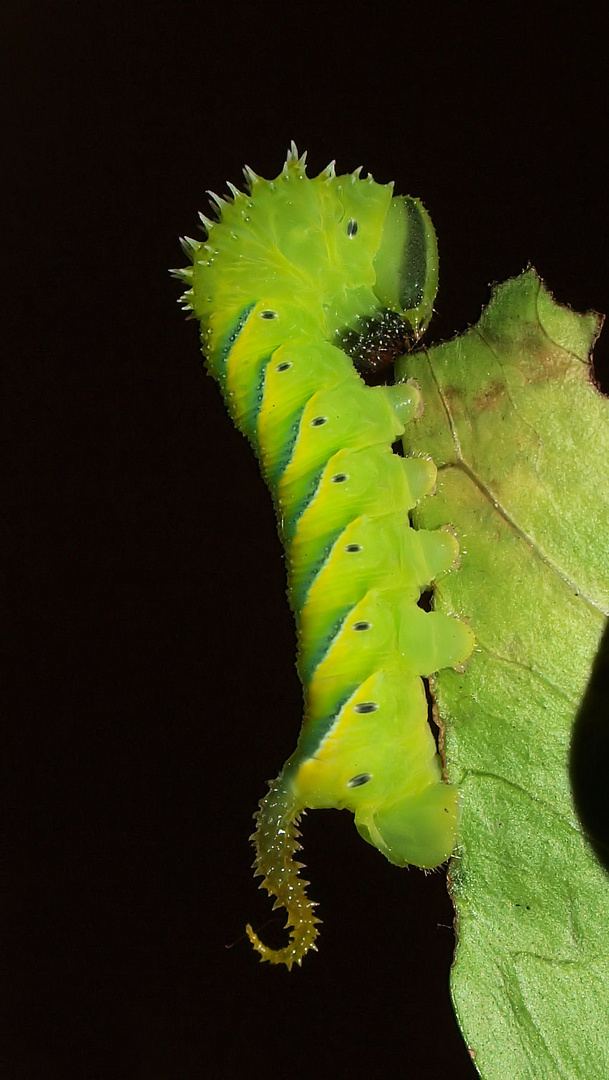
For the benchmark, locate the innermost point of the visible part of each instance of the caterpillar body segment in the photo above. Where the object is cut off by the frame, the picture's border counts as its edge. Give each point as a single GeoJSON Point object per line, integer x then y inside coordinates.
{"type": "Point", "coordinates": [304, 288]}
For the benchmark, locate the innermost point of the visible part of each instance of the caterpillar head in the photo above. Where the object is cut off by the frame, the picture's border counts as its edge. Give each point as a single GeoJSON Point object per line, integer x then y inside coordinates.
{"type": "Point", "coordinates": [337, 254]}
{"type": "Point", "coordinates": [406, 273]}
{"type": "Point", "coordinates": [406, 264]}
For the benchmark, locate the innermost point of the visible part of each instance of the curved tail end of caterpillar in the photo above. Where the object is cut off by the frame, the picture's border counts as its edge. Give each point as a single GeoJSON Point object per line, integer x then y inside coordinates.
{"type": "Point", "coordinates": [276, 841]}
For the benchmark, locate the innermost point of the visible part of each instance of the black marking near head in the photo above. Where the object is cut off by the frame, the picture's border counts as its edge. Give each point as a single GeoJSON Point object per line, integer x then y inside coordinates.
{"type": "Point", "coordinates": [362, 626]}
{"type": "Point", "coordinates": [352, 227]}
{"type": "Point", "coordinates": [353, 547]}
{"type": "Point", "coordinates": [339, 478]}
{"type": "Point", "coordinates": [375, 348]}
{"type": "Point", "coordinates": [318, 421]}
{"type": "Point", "coordinates": [284, 366]}
{"type": "Point", "coordinates": [365, 707]}
{"type": "Point", "coordinates": [414, 263]}
{"type": "Point", "coordinates": [268, 314]}
{"type": "Point", "coordinates": [361, 778]}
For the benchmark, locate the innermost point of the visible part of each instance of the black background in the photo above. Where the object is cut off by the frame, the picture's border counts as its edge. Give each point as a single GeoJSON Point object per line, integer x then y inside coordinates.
{"type": "Point", "coordinates": [151, 688]}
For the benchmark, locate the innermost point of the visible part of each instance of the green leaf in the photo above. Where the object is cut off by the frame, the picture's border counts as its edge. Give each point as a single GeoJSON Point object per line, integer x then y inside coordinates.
{"type": "Point", "coordinates": [521, 439]}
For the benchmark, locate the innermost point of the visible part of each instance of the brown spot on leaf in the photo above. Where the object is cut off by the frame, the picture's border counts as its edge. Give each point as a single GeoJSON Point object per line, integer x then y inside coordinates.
{"type": "Point", "coordinates": [489, 397]}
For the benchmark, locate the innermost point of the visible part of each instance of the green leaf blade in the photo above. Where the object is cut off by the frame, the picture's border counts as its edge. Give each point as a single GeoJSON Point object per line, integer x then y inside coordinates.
{"type": "Point", "coordinates": [521, 438]}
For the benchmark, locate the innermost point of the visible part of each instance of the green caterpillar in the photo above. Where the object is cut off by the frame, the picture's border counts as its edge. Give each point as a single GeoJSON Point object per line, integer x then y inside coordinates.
{"type": "Point", "coordinates": [302, 287]}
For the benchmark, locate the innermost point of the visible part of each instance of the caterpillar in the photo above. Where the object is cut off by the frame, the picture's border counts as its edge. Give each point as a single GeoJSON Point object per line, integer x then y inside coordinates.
{"type": "Point", "coordinates": [307, 288]}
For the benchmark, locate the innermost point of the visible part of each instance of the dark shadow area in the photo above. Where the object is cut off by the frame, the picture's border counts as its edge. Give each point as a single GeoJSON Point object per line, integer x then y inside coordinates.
{"type": "Point", "coordinates": [590, 755]}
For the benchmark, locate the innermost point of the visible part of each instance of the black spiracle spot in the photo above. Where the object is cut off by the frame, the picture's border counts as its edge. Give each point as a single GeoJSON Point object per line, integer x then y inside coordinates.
{"type": "Point", "coordinates": [361, 778]}
{"type": "Point", "coordinates": [319, 420]}
{"type": "Point", "coordinates": [353, 547]}
{"type": "Point", "coordinates": [284, 366]}
{"type": "Point", "coordinates": [268, 314]}
{"type": "Point", "coordinates": [362, 626]}
{"type": "Point", "coordinates": [339, 478]}
{"type": "Point", "coordinates": [365, 707]}
{"type": "Point", "coordinates": [351, 227]}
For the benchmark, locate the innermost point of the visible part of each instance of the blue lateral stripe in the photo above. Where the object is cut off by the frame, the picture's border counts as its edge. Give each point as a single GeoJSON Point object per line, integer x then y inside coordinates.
{"type": "Point", "coordinates": [290, 523]}
{"type": "Point", "coordinates": [276, 471]}
{"type": "Point", "coordinates": [253, 404]}
{"type": "Point", "coordinates": [309, 663]}
{"type": "Point", "coordinates": [300, 590]}
{"type": "Point", "coordinates": [314, 733]}
{"type": "Point", "coordinates": [226, 345]}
